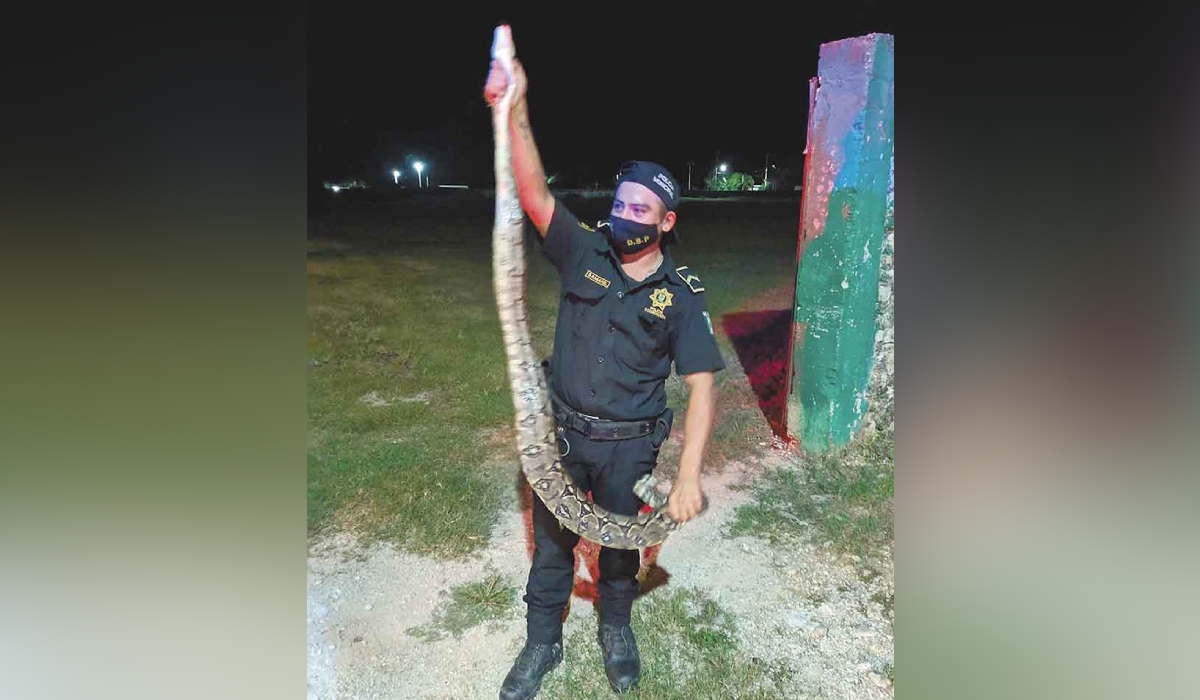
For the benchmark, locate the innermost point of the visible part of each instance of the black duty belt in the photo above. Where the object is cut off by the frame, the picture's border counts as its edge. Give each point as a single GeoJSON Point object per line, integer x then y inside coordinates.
{"type": "Point", "coordinates": [598, 428]}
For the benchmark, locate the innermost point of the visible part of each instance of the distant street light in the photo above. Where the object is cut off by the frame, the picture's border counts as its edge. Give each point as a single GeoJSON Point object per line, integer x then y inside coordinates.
{"type": "Point", "coordinates": [337, 189]}
{"type": "Point", "coordinates": [396, 176]}
{"type": "Point", "coordinates": [419, 167]}
{"type": "Point", "coordinates": [719, 169]}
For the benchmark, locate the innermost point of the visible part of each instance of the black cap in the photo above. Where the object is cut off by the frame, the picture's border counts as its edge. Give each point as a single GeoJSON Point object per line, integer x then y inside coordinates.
{"type": "Point", "coordinates": [653, 176]}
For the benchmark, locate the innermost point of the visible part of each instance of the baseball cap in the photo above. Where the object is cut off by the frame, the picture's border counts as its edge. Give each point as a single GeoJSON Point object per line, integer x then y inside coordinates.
{"type": "Point", "coordinates": [658, 180]}
{"type": "Point", "coordinates": [654, 177]}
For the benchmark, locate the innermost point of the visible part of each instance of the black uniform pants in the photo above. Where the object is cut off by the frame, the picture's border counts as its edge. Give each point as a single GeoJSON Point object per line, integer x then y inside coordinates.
{"type": "Point", "coordinates": [609, 469]}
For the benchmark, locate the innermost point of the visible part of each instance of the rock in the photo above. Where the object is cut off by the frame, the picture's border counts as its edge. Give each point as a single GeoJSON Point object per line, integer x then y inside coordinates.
{"type": "Point", "coordinates": [799, 619]}
{"type": "Point", "coordinates": [864, 666]}
{"type": "Point", "coordinates": [878, 680]}
{"type": "Point", "coordinates": [320, 611]}
{"type": "Point", "coordinates": [369, 606]}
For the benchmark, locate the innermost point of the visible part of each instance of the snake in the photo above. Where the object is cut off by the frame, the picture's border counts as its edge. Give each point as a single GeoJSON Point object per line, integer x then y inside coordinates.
{"type": "Point", "coordinates": [537, 443]}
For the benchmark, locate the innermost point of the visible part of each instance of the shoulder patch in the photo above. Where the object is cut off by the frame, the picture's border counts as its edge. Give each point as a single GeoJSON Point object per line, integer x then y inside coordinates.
{"type": "Point", "coordinates": [691, 280]}
{"type": "Point", "coordinates": [585, 227]}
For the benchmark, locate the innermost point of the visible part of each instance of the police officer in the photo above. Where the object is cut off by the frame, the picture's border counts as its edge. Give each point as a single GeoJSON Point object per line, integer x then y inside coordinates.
{"type": "Point", "coordinates": [627, 311]}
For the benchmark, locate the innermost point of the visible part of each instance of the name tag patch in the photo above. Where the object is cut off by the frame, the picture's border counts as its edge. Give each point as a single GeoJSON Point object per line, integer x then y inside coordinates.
{"type": "Point", "coordinates": [597, 279]}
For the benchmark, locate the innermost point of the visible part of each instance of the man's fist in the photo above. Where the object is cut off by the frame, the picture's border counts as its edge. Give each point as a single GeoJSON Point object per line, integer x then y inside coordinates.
{"type": "Point", "coordinates": [498, 81]}
{"type": "Point", "coordinates": [686, 500]}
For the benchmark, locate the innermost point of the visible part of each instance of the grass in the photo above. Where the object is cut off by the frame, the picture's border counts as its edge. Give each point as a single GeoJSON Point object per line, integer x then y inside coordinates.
{"type": "Point", "coordinates": [738, 425]}
{"type": "Point", "coordinates": [737, 430]}
{"type": "Point", "coordinates": [844, 497]}
{"type": "Point", "coordinates": [419, 330]}
{"type": "Point", "coordinates": [467, 606]}
{"type": "Point", "coordinates": [406, 367]}
{"type": "Point", "coordinates": [688, 650]}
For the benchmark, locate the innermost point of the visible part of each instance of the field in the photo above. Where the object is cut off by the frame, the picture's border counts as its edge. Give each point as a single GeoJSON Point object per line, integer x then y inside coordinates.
{"type": "Point", "coordinates": [418, 522]}
{"type": "Point", "coordinates": [406, 374]}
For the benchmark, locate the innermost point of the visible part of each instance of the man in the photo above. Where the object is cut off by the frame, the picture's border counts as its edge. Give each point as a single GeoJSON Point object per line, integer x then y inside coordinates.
{"type": "Point", "coordinates": [626, 313]}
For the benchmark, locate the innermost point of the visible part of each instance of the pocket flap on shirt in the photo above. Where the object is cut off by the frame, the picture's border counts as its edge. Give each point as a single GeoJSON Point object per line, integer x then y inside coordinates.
{"type": "Point", "coordinates": [588, 284]}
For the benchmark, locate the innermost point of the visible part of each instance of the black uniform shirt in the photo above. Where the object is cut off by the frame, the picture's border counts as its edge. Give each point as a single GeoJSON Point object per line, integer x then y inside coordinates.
{"type": "Point", "coordinates": [616, 338]}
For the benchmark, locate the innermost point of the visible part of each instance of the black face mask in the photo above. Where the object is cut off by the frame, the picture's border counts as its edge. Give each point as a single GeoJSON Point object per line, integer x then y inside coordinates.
{"type": "Point", "coordinates": [629, 236]}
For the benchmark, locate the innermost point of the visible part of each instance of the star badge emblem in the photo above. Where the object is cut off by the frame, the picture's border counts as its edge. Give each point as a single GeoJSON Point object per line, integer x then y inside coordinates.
{"type": "Point", "coordinates": [659, 299]}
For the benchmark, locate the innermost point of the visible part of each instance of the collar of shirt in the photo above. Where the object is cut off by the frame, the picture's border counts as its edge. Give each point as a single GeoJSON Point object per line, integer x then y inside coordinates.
{"type": "Point", "coordinates": [658, 275]}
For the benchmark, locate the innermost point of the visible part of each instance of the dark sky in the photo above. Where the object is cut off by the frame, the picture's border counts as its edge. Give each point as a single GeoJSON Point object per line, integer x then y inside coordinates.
{"type": "Point", "coordinates": [608, 84]}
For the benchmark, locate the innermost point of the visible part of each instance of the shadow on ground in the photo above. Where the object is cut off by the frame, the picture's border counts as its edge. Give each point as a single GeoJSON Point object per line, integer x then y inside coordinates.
{"type": "Point", "coordinates": [761, 341]}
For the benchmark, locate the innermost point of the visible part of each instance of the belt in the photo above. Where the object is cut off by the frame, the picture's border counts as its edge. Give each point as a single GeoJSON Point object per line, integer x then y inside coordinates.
{"type": "Point", "coordinates": [597, 428]}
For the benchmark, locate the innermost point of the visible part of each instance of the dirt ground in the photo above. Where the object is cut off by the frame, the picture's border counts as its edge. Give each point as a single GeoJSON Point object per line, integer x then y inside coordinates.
{"type": "Point", "coordinates": [824, 616]}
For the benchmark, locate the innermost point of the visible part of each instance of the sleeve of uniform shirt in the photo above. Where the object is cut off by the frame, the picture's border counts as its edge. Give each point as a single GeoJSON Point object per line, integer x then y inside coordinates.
{"type": "Point", "coordinates": [692, 343]}
{"type": "Point", "coordinates": [565, 239]}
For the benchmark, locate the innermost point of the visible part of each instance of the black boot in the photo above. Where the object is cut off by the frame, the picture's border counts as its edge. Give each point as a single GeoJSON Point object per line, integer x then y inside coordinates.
{"type": "Point", "coordinates": [525, 676]}
{"type": "Point", "coordinates": [622, 664]}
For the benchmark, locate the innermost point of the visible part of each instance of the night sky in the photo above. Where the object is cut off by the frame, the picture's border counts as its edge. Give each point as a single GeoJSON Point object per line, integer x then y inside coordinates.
{"type": "Point", "coordinates": [386, 88]}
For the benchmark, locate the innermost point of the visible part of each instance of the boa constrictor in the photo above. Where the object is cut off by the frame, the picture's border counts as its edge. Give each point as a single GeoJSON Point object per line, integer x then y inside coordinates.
{"type": "Point", "coordinates": [536, 440]}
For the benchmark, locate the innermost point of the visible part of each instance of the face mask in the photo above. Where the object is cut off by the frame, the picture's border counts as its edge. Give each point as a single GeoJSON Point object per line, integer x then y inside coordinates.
{"type": "Point", "coordinates": [629, 236]}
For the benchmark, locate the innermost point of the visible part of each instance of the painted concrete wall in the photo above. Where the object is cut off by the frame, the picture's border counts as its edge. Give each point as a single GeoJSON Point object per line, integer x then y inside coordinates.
{"type": "Point", "coordinates": [882, 395]}
{"type": "Point", "coordinates": [843, 213]}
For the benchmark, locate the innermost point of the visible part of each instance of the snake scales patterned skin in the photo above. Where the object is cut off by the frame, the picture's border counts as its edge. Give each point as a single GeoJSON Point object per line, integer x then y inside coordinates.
{"type": "Point", "coordinates": [536, 440]}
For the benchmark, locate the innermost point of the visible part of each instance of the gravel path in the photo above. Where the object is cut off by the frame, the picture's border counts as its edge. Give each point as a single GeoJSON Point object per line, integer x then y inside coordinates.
{"type": "Point", "coordinates": [801, 604]}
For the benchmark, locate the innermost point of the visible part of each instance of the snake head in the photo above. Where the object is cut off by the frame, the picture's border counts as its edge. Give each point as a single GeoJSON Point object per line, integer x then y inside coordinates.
{"type": "Point", "coordinates": [501, 83]}
{"type": "Point", "coordinates": [503, 49]}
